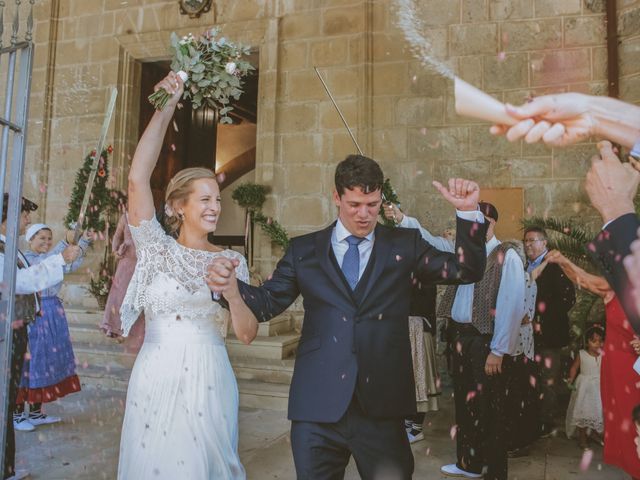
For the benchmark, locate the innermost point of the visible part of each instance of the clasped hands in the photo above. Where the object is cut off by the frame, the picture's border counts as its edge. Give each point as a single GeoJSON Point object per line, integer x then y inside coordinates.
{"type": "Point", "coordinates": [221, 277]}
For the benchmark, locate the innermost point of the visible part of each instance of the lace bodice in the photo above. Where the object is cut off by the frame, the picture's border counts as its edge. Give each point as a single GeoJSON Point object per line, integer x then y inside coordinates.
{"type": "Point", "coordinates": [169, 283]}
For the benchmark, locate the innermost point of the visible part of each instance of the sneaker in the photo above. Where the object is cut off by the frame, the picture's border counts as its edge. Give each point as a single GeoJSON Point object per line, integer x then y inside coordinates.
{"type": "Point", "coordinates": [19, 475]}
{"type": "Point", "coordinates": [43, 419]}
{"type": "Point", "coordinates": [22, 424]}
{"type": "Point", "coordinates": [415, 435]}
{"type": "Point", "coordinates": [452, 470]}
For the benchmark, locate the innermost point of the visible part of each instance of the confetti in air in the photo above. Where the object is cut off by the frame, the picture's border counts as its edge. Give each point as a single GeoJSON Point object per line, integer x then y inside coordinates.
{"type": "Point", "coordinates": [410, 23]}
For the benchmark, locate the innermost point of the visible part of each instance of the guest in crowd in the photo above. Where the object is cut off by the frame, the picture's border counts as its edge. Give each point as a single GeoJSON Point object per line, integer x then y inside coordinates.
{"type": "Point", "coordinates": [50, 372]}
{"type": "Point", "coordinates": [619, 384]}
{"type": "Point", "coordinates": [29, 280]}
{"type": "Point", "coordinates": [584, 414]}
{"type": "Point", "coordinates": [485, 319]}
{"type": "Point", "coordinates": [523, 392]}
{"type": "Point", "coordinates": [422, 331]}
{"type": "Point", "coordinates": [125, 250]}
{"type": "Point", "coordinates": [554, 299]}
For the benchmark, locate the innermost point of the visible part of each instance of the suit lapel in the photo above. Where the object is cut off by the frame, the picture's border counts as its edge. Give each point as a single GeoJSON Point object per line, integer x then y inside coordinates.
{"type": "Point", "coordinates": [381, 249]}
{"type": "Point", "coordinates": [323, 247]}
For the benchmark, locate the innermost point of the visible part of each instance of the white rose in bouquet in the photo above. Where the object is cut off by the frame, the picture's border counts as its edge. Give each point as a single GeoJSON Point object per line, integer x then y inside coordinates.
{"type": "Point", "coordinates": [230, 68]}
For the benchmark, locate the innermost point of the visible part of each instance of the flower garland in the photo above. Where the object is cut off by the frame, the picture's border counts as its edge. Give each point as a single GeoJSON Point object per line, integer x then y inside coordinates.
{"type": "Point", "coordinates": [251, 196]}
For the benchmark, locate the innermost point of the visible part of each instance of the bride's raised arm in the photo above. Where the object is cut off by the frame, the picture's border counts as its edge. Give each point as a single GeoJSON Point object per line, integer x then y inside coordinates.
{"type": "Point", "coordinates": [144, 160]}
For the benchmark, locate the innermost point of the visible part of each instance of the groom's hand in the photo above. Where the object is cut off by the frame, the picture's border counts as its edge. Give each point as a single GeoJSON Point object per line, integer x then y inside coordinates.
{"type": "Point", "coordinates": [221, 277]}
{"type": "Point", "coordinates": [462, 194]}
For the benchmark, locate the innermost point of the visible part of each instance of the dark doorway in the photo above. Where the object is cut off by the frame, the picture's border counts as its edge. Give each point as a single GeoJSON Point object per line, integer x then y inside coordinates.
{"type": "Point", "coordinates": [192, 139]}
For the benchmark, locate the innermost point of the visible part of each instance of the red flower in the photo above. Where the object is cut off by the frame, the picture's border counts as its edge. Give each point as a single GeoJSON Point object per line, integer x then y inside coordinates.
{"type": "Point", "coordinates": [110, 149]}
{"type": "Point", "coordinates": [101, 172]}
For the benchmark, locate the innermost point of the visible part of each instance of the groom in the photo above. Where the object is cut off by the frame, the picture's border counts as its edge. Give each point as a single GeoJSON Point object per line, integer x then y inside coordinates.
{"type": "Point", "coordinates": [353, 379]}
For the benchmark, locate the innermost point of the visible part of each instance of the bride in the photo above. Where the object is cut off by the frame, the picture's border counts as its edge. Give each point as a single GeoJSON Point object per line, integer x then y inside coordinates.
{"type": "Point", "coordinates": [181, 417]}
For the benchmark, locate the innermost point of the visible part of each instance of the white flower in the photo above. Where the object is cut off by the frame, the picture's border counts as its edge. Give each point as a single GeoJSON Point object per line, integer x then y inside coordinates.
{"type": "Point", "coordinates": [230, 67]}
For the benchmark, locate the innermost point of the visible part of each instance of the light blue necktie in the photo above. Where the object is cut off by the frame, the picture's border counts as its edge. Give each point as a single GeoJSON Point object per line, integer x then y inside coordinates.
{"type": "Point", "coordinates": [351, 261]}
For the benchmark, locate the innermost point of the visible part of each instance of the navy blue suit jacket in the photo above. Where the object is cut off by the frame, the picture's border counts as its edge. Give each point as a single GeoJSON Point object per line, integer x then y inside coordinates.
{"type": "Point", "coordinates": [359, 341]}
{"type": "Point", "coordinates": [608, 250]}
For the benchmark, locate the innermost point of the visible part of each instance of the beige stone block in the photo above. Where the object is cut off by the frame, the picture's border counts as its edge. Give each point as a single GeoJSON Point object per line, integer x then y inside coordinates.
{"type": "Point", "coordinates": [573, 161]}
{"type": "Point", "coordinates": [383, 111]}
{"type": "Point", "coordinates": [510, 9]}
{"type": "Point", "coordinates": [304, 179]}
{"type": "Point", "coordinates": [437, 13]}
{"type": "Point", "coordinates": [300, 148]}
{"type": "Point", "coordinates": [629, 22]}
{"type": "Point", "coordinates": [103, 49]}
{"type": "Point", "coordinates": [554, 198]}
{"type": "Point", "coordinates": [629, 56]}
{"type": "Point", "coordinates": [390, 144]}
{"type": "Point", "coordinates": [390, 78]}
{"type": "Point", "coordinates": [551, 8]}
{"type": "Point", "coordinates": [532, 35]}
{"type": "Point", "coordinates": [561, 66]}
{"type": "Point", "coordinates": [630, 88]}
{"type": "Point", "coordinates": [326, 52]}
{"type": "Point", "coordinates": [381, 16]}
{"type": "Point", "coordinates": [297, 118]}
{"type": "Point", "coordinates": [580, 31]}
{"type": "Point", "coordinates": [479, 170]}
{"type": "Point", "coordinates": [64, 129]}
{"type": "Point", "coordinates": [475, 11]}
{"type": "Point", "coordinates": [119, 5]}
{"type": "Point", "coordinates": [70, 52]}
{"type": "Point", "coordinates": [425, 82]}
{"type": "Point", "coordinates": [79, 8]}
{"type": "Point", "coordinates": [342, 145]}
{"type": "Point", "coordinates": [474, 39]}
{"type": "Point", "coordinates": [304, 211]}
{"type": "Point", "coordinates": [340, 21]}
{"type": "Point", "coordinates": [419, 111]}
{"type": "Point", "coordinates": [358, 52]}
{"type": "Point", "coordinates": [508, 72]}
{"type": "Point", "coordinates": [389, 48]}
{"type": "Point", "coordinates": [526, 167]}
{"type": "Point", "coordinates": [470, 70]}
{"type": "Point", "coordinates": [345, 81]}
{"type": "Point", "coordinates": [293, 55]}
{"type": "Point", "coordinates": [594, 6]}
{"type": "Point", "coordinates": [435, 142]}
{"type": "Point", "coordinates": [301, 25]}
{"type": "Point", "coordinates": [599, 59]}
{"type": "Point", "coordinates": [305, 85]}
{"type": "Point", "coordinates": [329, 118]}
{"type": "Point", "coordinates": [481, 144]}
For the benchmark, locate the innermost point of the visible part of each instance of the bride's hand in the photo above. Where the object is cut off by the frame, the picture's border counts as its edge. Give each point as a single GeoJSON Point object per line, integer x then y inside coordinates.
{"type": "Point", "coordinates": [172, 84]}
{"type": "Point", "coordinates": [221, 277]}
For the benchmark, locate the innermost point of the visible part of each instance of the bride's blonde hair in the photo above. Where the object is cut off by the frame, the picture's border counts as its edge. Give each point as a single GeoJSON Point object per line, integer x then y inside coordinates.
{"type": "Point", "coordinates": [178, 190]}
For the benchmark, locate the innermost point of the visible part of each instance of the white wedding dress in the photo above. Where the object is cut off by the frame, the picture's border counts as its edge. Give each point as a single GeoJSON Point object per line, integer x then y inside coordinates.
{"type": "Point", "coordinates": [181, 417]}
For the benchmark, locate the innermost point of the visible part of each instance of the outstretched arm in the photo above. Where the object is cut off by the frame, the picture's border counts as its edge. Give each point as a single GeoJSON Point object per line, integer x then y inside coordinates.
{"type": "Point", "coordinates": [147, 152]}
{"type": "Point", "coordinates": [595, 284]}
{"type": "Point", "coordinates": [567, 118]}
{"type": "Point", "coordinates": [575, 368]}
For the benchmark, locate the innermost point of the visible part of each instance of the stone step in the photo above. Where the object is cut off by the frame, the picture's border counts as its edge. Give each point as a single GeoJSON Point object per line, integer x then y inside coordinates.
{"type": "Point", "coordinates": [88, 333]}
{"type": "Point", "coordinates": [104, 377]}
{"type": "Point", "coordinates": [263, 370]}
{"type": "Point", "coordinates": [276, 347]}
{"type": "Point", "coordinates": [100, 355]}
{"type": "Point", "coordinates": [276, 326]}
{"type": "Point", "coordinates": [77, 314]}
{"type": "Point", "coordinates": [75, 292]}
{"type": "Point", "coordinates": [253, 394]}
{"type": "Point", "coordinates": [270, 396]}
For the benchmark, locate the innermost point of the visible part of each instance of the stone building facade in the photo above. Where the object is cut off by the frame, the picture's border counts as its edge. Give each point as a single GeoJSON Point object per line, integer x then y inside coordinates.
{"type": "Point", "coordinates": [401, 114]}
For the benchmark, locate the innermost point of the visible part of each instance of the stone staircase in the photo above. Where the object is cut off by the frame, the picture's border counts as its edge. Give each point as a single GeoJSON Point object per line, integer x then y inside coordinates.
{"type": "Point", "coordinates": [263, 369]}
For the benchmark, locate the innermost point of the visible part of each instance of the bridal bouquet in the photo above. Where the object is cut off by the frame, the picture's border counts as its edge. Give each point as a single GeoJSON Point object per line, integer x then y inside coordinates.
{"type": "Point", "coordinates": [212, 70]}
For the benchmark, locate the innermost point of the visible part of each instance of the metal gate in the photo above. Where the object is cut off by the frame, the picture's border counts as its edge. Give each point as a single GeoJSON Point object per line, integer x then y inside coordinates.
{"type": "Point", "coordinates": [16, 63]}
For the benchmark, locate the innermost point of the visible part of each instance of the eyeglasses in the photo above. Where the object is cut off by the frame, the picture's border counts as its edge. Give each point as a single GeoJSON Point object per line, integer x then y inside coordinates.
{"type": "Point", "coordinates": [532, 240]}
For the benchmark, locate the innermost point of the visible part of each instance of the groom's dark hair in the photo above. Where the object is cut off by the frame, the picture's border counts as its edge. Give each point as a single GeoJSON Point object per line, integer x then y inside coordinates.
{"type": "Point", "coordinates": [358, 171]}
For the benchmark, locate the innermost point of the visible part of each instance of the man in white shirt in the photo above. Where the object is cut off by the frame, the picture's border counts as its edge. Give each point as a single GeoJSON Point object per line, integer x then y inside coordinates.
{"type": "Point", "coordinates": [484, 319]}
{"type": "Point", "coordinates": [29, 281]}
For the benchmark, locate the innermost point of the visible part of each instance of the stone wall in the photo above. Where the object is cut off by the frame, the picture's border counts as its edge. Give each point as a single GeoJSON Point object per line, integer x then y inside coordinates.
{"type": "Point", "coordinates": [401, 114]}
